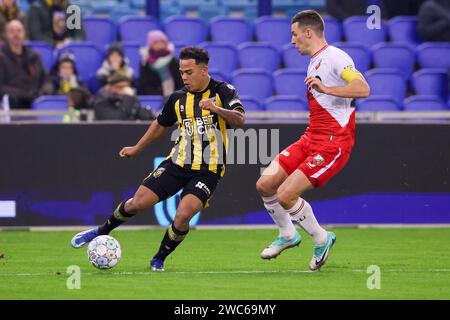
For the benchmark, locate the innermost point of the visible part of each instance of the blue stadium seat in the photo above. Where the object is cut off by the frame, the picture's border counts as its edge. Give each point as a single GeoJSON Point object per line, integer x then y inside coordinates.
{"type": "Point", "coordinates": [403, 29]}
{"type": "Point", "coordinates": [386, 81]}
{"type": "Point", "coordinates": [293, 59]}
{"type": "Point", "coordinates": [290, 82]}
{"type": "Point", "coordinates": [222, 57]}
{"type": "Point", "coordinates": [231, 29]}
{"type": "Point", "coordinates": [355, 30]}
{"type": "Point", "coordinates": [253, 82]}
{"type": "Point", "coordinates": [138, 4]}
{"type": "Point", "coordinates": [394, 55]}
{"type": "Point", "coordinates": [99, 30]}
{"type": "Point", "coordinates": [50, 103]}
{"type": "Point", "coordinates": [217, 75]}
{"type": "Point", "coordinates": [424, 103]}
{"type": "Point", "coordinates": [88, 58]}
{"type": "Point", "coordinates": [131, 51]}
{"type": "Point", "coordinates": [203, 9]}
{"type": "Point", "coordinates": [120, 12]}
{"type": "Point", "coordinates": [259, 56]}
{"type": "Point", "coordinates": [136, 28]}
{"type": "Point", "coordinates": [286, 103]}
{"type": "Point", "coordinates": [251, 104]}
{"type": "Point", "coordinates": [45, 50]}
{"type": "Point", "coordinates": [156, 103]}
{"type": "Point", "coordinates": [433, 55]}
{"type": "Point", "coordinates": [378, 103]}
{"type": "Point", "coordinates": [247, 9]}
{"type": "Point", "coordinates": [274, 30]}
{"type": "Point", "coordinates": [178, 47]}
{"type": "Point", "coordinates": [431, 82]}
{"type": "Point", "coordinates": [333, 29]}
{"type": "Point", "coordinates": [103, 7]}
{"type": "Point", "coordinates": [361, 56]}
{"type": "Point", "coordinates": [188, 30]}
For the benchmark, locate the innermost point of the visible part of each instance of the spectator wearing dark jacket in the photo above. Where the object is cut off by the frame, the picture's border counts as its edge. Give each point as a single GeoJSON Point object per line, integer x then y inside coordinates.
{"type": "Point", "coordinates": [47, 22]}
{"type": "Point", "coordinates": [159, 72]}
{"type": "Point", "coordinates": [117, 101]}
{"type": "Point", "coordinates": [22, 74]}
{"type": "Point", "coordinates": [433, 20]}
{"type": "Point", "coordinates": [115, 62]}
{"type": "Point", "coordinates": [9, 10]}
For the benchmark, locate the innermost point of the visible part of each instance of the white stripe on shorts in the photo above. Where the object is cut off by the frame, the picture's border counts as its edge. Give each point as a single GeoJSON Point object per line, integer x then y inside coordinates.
{"type": "Point", "coordinates": [321, 171]}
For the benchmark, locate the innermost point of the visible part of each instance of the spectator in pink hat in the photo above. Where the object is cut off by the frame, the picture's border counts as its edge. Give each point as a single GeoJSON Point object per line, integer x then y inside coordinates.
{"type": "Point", "coordinates": [159, 74]}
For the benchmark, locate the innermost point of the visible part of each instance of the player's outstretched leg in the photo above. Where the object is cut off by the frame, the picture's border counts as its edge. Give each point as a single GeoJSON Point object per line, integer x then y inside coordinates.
{"type": "Point", "coordinates": [267, 186]}
{"type": "Point", "coordinates": [321, 252]}
{"type": "Point", "coordinates": [177, 231]}
{"type": "Point", "coordinates": [143, 198]}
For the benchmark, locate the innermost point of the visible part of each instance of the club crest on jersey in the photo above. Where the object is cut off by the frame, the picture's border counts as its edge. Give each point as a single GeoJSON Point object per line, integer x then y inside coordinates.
{"type": "Point", "coordinates": [158, 172]}
{"type": "Point", "coordinates": [318, 160]}
{"type": "Point", "coordinates": [187, 123]}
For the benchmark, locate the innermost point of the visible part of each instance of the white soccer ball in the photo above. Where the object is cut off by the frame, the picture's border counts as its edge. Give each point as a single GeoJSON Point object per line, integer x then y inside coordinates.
{"type": "Point", "coordinates": [104, 252]}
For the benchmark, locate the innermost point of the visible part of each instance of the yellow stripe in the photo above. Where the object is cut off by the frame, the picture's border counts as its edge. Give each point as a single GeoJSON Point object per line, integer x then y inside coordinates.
{"type": "Point", "coordinates": [349, 74]}
{"type": "Point", "coordinates": [213, 154]}
{"type": "Point", "coordinates": [198, 154]}
{"type": "Point", "coordinates": [177, 111]}
{"type": "Point", "coordinates": [223, 130]}
{"type": "Point", "coordinates": [189, 107]}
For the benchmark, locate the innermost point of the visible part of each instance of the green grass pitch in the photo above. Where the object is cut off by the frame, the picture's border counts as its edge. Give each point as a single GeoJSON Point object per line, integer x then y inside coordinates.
{"type": "Point", "coordinates": [225, 264]}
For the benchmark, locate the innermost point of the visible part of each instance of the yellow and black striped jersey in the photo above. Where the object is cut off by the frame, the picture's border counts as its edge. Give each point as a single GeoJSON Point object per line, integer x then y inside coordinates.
{"type": "Point", "coordinates": [202, 143]}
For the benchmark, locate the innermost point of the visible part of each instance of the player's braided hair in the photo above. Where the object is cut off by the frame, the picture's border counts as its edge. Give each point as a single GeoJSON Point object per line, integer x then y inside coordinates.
{"type": "Point", "coordinates": [198, 54]}
{"type": "Point", "coordinates": [310, 18]}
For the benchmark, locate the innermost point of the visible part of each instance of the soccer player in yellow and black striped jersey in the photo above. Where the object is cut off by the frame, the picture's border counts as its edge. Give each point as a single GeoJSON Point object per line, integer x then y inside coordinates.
{"type": "Point", "coordinates": [204, 109]}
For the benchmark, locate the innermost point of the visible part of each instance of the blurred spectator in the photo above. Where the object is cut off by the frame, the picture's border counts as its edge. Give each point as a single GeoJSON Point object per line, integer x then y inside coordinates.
{"type": "Point", "coordinates": [115, 62]}
{"type": "Point", "coordinates": [117, 101]}
{"type": "Point", "coordinates": [22, 74]}
{"type": "Point", "coordinates": [342, 9]}
{"type": "Point", "coordinates": [433, 20]}
{"type": "Point", "coordinates": [9, 10]}
{"type": "Point", "coordinates": [159, 73]}
{"type": "Point", "coordinates": [401, 8]}
{"type": "Point", "coordinates": [47, 22]}
{"type": "Point", "coordinates": [65, 82]}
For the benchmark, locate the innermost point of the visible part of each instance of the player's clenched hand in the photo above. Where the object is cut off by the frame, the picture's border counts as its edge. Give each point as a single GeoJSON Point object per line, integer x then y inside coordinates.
{"type": "Point", "coordinates": [128, 152]}
{"type": "Point", "coordinates": [316, 84]}
{"type": "Point", "coordinates": [207, 104]}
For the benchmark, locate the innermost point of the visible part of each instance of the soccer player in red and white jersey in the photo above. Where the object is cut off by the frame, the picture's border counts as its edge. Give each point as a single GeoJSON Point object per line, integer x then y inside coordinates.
{"type": "Point", "coordinates": [323, 150]}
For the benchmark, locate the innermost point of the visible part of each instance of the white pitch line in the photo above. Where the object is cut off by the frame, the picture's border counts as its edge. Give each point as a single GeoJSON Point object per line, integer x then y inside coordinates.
{"type": "Point", "coordinates": [216, 272]}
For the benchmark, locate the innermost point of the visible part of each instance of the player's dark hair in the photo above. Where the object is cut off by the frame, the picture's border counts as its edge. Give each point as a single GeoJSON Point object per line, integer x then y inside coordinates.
{"type": "Point", "coordinates": [310, 18]}
{"type": "Point", "coordinates": [198, 54]}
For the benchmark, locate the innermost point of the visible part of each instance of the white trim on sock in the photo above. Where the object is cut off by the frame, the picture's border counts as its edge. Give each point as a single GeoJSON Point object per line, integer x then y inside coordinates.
{"type": "Point", "coordinates": [303, 214]}
{"type": "Point", "coordinates": [280, 217]}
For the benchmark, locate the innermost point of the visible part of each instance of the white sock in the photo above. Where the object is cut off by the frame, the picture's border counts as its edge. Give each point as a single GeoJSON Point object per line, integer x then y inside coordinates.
{"type": "Point", "coordinates": [280, 217]}
{"type": "Point", "coordinates": [303, 214]}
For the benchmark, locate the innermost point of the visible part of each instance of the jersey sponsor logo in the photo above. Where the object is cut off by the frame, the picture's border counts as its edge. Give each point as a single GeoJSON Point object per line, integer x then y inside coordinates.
{"type": "Point", "coordinates": [230, 87]}
{"type": "Point", "coordinates": [203, 187]}
{"type": "Point", "coordinates": [203, 124]}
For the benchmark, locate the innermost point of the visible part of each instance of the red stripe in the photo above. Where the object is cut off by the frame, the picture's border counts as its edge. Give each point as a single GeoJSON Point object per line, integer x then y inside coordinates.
{"type": "Point", "coordinates": [323, 48]}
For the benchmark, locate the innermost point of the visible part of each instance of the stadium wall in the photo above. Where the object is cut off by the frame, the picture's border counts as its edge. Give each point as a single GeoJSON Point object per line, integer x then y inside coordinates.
{"type": "Point", "coordinates": [53, 175]}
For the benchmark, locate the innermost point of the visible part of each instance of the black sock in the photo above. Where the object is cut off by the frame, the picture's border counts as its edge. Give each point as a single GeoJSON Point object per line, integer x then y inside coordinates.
{"type": "Point", "coordinates": [119, 216]}
{"type": "Point", "coordinates": [171, 240]}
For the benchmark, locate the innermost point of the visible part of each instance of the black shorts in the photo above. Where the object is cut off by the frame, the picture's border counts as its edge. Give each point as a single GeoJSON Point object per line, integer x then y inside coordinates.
{"type": "Point", "coordinates": [169, 178]}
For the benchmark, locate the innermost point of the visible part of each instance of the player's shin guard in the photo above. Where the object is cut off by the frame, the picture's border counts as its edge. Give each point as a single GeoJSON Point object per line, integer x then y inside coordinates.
{"type": "Point", "coordinates": [172, 238]}
{"type": "Point", "coordinates": [119, 216]}
{"type": "Point", "coordinates": [303, 214]}
{"type": "Point", "coordinates": [280, 217]}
